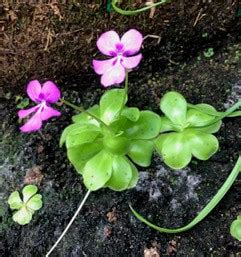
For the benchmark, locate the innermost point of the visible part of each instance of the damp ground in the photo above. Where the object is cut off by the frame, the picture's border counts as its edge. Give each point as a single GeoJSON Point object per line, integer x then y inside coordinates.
{"type": "Point", "coordinates": [106, 227]}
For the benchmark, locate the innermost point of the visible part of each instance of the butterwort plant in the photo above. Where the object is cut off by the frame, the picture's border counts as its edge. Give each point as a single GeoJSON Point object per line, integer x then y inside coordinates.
{"type": "Point", "coordinates": [107, 142]}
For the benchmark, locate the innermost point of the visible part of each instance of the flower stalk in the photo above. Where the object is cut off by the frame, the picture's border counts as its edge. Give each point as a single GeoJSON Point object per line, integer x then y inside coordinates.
{"type": "Point", "coordinates": [81, 109]}
{"type": "Point", "coordinates": [70, 223]}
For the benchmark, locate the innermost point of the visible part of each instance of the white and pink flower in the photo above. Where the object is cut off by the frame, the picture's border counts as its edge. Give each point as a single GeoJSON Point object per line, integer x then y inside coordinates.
{"type": "Point", "coordinates": [121, 50]}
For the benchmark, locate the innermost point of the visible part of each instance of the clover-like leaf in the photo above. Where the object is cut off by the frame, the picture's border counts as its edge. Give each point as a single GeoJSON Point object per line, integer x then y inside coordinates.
{"type": "Point", "coordinates": [174, 106]}
{"type": "Point", "coordinates": [35, 203]}
{"type": "Point", "coordinates": [83, 117]}
{"type": "Point", "coordinates": [111, 104]}
{"type": "Point", "coordinates": [235, 229]}
{"type": "Point", "coordinates": [15, 201]}
{"type": "Point", "coordinates": [25, 209]}
{"type": "Point", "coordinates": [146, 127]}
{"type": "Point", "coordinates": [121, 174]}
{"type": "Point", "coordinates": [140, 152]}
{"type": "Point", "coordinates": [28, 191]}
{"type": "Point", "coordinates": [80, 154]}
{"type": "Point", "coordinates": [22, 216]}
{"type": "Point", "coordinates": [98, 170]}
{"type": "Point", "coordinates": [203, 145]}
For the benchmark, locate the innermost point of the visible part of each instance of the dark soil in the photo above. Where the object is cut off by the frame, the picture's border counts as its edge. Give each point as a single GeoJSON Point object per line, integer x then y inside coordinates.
{"type": "Point", "coordinates": [54, 40]}
{"type": "Point", "coordinates": [168, 198]}
{"type": "Point", "coordinates": [106, 227]}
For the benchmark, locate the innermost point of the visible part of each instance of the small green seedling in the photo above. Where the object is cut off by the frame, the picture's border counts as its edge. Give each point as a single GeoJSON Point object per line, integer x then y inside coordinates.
{"type": "Point", "coordinates": [235, 229]}
{"type": "Point", "coordinates": [21, 102]}
{"type": "Point", "coordinates": [25, 208]}
{"type": "Point", "coordinates": [209, 52]}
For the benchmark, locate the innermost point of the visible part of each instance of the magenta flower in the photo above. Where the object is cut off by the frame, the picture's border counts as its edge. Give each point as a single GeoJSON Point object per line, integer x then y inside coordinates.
{"type": "Point", "coordinates": [113, 70]}
{"type": "Point", "coordinates": [43, 96]}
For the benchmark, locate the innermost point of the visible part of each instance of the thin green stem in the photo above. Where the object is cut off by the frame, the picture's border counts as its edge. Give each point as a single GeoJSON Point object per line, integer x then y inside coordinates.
{"type": "Point", "coordinates": [125, 90]}
{"type": "Point", "coordinates": [126, 84]}
{"type": "Point", "coordinates": [132, 12]}
{"type": "Point", "coordinates": [214, 113]}
{"type": "Point", "coordinates": [70, 223]}
{"type": "Point", "coordinates": [205, 211]}
{"type": "Point", "coordinates": [221, 115]}
{"type": "Point", "coordinates": [81, 109]}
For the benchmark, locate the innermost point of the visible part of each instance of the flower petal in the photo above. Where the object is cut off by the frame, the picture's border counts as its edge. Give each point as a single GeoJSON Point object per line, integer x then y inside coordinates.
{"type": "Point", "coordinates": [115, 75]}
{"type": "Point", "coordinates": [50, 92]}
{"type": "Point", "coordinates": [107, 42]}
{"type": "Point", "coordinates": [24, 113]}
{"type": "Point", "coordinates": [34, 90]}
{"type": "Point", "coordinates": [33, 124]}
{"type": "Point", "coordinates": [132, 41]}
{"type": "Point", "coordinates": [101, 67]}
{"type": "Point", "coordinates": [131, 62]}
{"type": "Point", "coordinates": [49, 112]}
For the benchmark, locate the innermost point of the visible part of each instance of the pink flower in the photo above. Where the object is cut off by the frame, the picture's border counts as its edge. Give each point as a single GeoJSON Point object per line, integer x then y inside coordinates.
{"type": "Point", "coordinates": [113, 70]}
{"type": "Point", "coordinates": [43, 96]}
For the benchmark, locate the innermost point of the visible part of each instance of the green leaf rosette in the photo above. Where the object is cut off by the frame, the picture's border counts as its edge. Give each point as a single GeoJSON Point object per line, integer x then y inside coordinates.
{"type": "Point", "coordinates": [103, 155]}
{"type": "Point", "coordinates": [186, 131]}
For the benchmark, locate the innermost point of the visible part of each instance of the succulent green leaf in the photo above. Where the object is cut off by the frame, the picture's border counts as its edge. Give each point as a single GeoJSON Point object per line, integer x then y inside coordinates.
{"type": "Point", "coordinates": [81, 135]}
{"type": "Point", "coordinates": [205, 108]}
{"type": "Point", "coordinates": [28, 191]}
{"type": "Point", "coordinates": [118, 126]}
{"type": "Point", "coordinates": [135, 175]}
{"type": "Point", "coordinates": [121, 174]}
{"type": "Point", "coordinates": [80, 154]}
{"type": "Point", "coordinates": [67, 130]}
{"type": "Point", "coordinates": [176, 150]}
{"type": "Point", "coordinates": [166, 125]}
{"type": "Point", "coordinates": [196, 118]}
{"type": "Point", "coordinates": [174, 106]}
{"type": "Point", "coordinates": [98, 170]}
{"type": "Point", "coordinates": [140, 152]}
{"type": "Point", "coordinates": [211, 128]}
{"type": "Point", "coordinates": [22, 216]}
{"type": "Point", "coordinates": [159, 142]}
{"type": "Point", "coordinates": [15, 201]}
{"type": "Point", "coordinates": [131, 113]}
{"type": "Point", "coordinates": [116, 145]}
{"type": "Point", "coordinates": [83, 117]}
{"type": "Point", "coordinates": [235, 229]}
{"type": "Point", "coordinates": [146, 127]}
{"type": "Point", "coordinates": [111, 103]}
{"type": "Point", "coordinates": [35, 203]}
{"type": "Point", "coordinates": [202, 145]}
